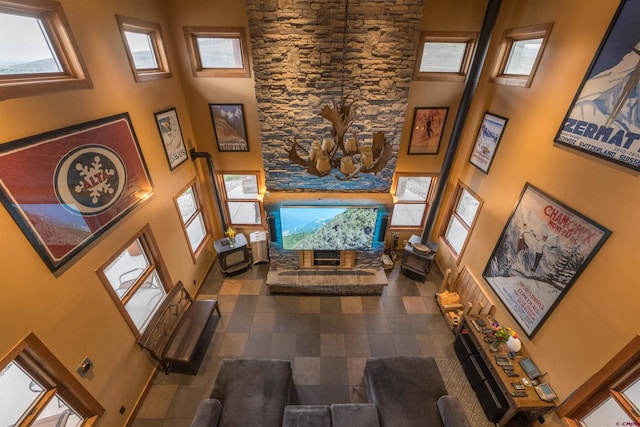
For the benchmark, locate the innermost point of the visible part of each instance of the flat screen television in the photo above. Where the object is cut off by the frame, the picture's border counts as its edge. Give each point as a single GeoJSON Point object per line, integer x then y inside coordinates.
{"type": "Point", "coordinates": [328, 227]}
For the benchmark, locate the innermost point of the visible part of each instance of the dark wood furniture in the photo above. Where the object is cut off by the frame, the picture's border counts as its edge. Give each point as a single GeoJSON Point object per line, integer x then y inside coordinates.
{"type": "Point", "coordinates": [179, 333]}
{"type": "Point", "coordinates": [416, 261]}
{"type": "Point", "coordinates": [234, 258]}
{"type": "Point", "coordinates": [491, 382]}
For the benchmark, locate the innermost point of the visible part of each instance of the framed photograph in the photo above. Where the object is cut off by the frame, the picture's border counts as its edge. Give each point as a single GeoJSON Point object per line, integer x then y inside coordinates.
{"type": "Point", "coordinates": [171, 135]}
{"type": "Point", "coordinates": [603, 118]}
{"type": "Point", "coordinates": [66, 187]}
{"type": "Point", "coordinates": [487, 141]}
{"type": "Point", "coordinates": [229, 126]}
{"type": "Point", "coordinates": [541, 252]}
{"type": "Point", "coordinates": [426, 131]}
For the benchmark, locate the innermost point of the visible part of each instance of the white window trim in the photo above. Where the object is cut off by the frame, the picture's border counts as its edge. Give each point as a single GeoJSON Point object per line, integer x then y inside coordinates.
{"type": "Point", "coordinates": [75, 74]}
{"type": "Point", "coordinates": [155, 32]}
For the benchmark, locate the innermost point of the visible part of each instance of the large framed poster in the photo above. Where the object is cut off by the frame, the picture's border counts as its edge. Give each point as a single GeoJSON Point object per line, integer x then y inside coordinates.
{"type": "Point", "coordinates": [604, 118]}
{"type": "Point", "coordinates": [66, 187]}
{"type": "Point", "coordinates": [486, 145]}
{"type": "Point", "coordinates": [542, 250]}
{"type": "Point", "coordinates": [229, 127]}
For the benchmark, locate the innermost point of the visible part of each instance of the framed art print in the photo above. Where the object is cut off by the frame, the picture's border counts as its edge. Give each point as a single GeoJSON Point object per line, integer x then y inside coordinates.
{"type": "Point", "coordinates": [543, 249]}
{"type": "Point", "coordinates": [229, 127]}
{"type": "Point", "coordinates": [171, 135]}
{"type": "Point", "coordinates": [426, 131]}
{"type": "Point", "coordinates": [66, 187]}
{"type": "Point", "coordinates": [603, 119]}
{"type": "Point", "coordinates": [489, 135]}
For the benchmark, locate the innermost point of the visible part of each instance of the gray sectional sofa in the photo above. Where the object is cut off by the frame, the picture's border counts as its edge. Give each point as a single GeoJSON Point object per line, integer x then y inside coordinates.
{"type": "Point", "coordinates": [402, 392]}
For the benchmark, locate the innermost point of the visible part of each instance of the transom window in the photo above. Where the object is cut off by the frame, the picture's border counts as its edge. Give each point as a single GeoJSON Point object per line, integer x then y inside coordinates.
{"type": "Point", "coordinates": [241, 198]}
{"type": "Point", "coordinates": [412, 196]}
{"type": "Point", "coordinates": [461, 218]}
{"type": "Point", "coordinates": [218, 51]}
{"type": "Point", "coordinates": [136, 280]}
{"type": "Point", "coordinates": [37, 390]}
{"type": "Point", "coordinates": [145, 48]}
{"type": "Point", "coordinates": [520, 54]}
{"type": "Point", "coordinates": [37, 50]}
{"type": "Point", "coordinates": [192, 218]}
{"type": "Point", "coordinates": [444, 56]}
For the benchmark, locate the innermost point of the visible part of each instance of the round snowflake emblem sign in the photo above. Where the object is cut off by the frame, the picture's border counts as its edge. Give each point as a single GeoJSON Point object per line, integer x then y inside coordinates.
{"type": "Point", "coordinates": [89, 179]}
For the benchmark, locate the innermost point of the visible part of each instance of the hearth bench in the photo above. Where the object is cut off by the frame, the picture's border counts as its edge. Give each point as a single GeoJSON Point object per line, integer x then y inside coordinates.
{"type": "Point", "coordinates": [179, 333]}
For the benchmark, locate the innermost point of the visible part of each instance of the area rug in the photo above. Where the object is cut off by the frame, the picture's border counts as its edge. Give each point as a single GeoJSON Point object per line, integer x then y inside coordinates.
{"type": "Point", "coordinates": [458, 386]}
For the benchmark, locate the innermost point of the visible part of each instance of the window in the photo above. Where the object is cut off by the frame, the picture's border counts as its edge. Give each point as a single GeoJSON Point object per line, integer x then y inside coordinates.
{"type": "Point", "coordinates": [217, 51]}
{"type": "Point", "coordinates": [444, 56]}
{"type": "Point", "coordinates": [611, 396]}
{"type": "Point", "coordinates": [192, 218]}
{"type": "Point", "coordinates": [241, 198]}
{"type": "Point", "coordinates": [36, 389]}
{"type": "Point", "coordinates": [412, 194]}
{"type": "Point", "coordinates": [145, 49]}
{"type": "Point", "coordinates": [37, 51]}
{"type": "Point", "coordinates": [136, 280]}
{"type": "Point", "coordinates": [520, 54]}
{"type": "Point", "coordinates": [461, 218]}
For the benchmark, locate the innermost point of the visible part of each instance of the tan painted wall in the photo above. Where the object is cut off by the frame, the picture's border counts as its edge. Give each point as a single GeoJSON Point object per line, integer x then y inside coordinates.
{"type": "Point", "coordinates": [598, 316]}
{"type": "Point", "coordinates": [72, 313]}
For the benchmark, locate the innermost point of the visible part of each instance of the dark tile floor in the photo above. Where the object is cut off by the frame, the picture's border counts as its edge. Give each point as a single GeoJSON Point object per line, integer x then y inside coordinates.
{"type": "Point", "coordinates": [327, 339]}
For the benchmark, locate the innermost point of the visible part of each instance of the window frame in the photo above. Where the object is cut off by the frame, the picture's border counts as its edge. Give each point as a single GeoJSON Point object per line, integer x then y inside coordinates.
{"type": "Point", "coordinates": [195, 253]}
{"type": "Point", "coordinates": [74, 75]}
{"type": "Point", "coordinates": [154, 31]}
{"type": "Point", "coordinates": [40, 363]}
{"type": "Point", "coordinates": [461, 187]}
{"type": "Point", "coordinates": [191, 35]}
{"type": "Point", "coordinates": [467, 37]}
{"type": "Point", "coordinates": [619, 372]}
{"type": "Point", "coordinates": [509, 37]}
{"type": "Point", "coordinates": [426, 202]}
{"type": "Point", "coordinates": [222, 190]}
{"type": "Point", "coordinates": [156, 264]}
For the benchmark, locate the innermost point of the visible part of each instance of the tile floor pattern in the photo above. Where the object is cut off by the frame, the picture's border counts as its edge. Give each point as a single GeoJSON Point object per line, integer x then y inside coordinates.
{"type": "Point", "coordinates": [327, 339]}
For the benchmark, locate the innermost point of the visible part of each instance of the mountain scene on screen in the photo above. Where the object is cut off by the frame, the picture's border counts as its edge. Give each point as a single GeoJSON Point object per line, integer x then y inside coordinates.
{"type": "Point", "coordinates": [328, 228]}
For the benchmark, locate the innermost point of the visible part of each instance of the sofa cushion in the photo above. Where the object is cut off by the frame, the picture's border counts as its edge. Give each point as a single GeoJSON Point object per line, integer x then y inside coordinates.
{"type": "Point", "coordinates": [307, 416]}
{"type": "Point", "coordinates": [354, 415]}
{"type": "Point", "coordinates": [405, 389]}
{"type": "Point", "coordinates": [451, 412]}
{"type": "Point", "coordinates": [252, 392]}
{"type": "Point", "coordinates": [207, 414]}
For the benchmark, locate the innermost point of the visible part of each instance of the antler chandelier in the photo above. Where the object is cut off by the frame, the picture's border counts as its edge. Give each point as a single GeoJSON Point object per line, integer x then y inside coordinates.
{"type": "Point", "coordinates": [349, 156]}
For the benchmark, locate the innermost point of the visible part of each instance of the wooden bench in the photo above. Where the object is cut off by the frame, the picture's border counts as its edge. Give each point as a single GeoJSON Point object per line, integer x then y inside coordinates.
{"type": "Point", "coordinates": [180, 331]}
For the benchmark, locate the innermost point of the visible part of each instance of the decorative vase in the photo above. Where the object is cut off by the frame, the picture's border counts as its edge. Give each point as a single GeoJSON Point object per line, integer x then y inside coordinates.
{"type": "Point", "coordinates": [514, 345]}
{"type": "Point", "coordinates": [495, 346]}
{"type": "Point", "coordinates": [232, 241]}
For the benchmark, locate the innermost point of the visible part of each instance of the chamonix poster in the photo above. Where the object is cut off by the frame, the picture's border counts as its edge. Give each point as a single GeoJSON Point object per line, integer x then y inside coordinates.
{"type": "Point", "coordinates": [543, 249]}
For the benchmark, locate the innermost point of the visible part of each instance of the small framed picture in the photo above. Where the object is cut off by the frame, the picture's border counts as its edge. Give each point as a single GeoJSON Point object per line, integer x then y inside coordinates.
{"type": "Point", "coordinates": [171, 135]}
{"type": "Point", "coordinates": [229, 127]}
{"type": "Point", "coordinates": [489, 134]}
{"type": "Point", "coordinates": [426, 131]}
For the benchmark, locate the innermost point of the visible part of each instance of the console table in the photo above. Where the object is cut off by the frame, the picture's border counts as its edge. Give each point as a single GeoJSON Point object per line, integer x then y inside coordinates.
{"type": "Point", "coordinates": [233, 258]}
{"type": "Point", "coordinates": [491, 383]}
